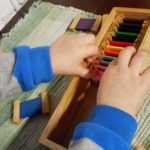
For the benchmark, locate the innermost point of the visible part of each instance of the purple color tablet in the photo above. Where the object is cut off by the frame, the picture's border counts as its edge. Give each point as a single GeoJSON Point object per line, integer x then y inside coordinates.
{"type": "Point", "coordinates": [85, 24]}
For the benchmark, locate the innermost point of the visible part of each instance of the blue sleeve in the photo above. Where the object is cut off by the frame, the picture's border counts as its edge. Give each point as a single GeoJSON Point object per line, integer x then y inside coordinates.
{"type": "Point", "coordinates": [108, 127]}
{"type": "Point", "coordinates": [32, 66]}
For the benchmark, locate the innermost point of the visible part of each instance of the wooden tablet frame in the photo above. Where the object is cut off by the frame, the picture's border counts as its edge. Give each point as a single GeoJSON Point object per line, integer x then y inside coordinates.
{"type": "Point", "coordinates": [80, 96]}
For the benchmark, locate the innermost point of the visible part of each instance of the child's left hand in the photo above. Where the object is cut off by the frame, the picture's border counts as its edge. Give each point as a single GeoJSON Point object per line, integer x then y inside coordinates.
{"type": "Point", "coordinates": [123, 85]}
{"type": "Point", "coordinates": [70, 54]}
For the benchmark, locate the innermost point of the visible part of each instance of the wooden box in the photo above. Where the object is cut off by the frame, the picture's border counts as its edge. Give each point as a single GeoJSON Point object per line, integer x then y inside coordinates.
{"type": "Point", "coordinates": [80, 97]}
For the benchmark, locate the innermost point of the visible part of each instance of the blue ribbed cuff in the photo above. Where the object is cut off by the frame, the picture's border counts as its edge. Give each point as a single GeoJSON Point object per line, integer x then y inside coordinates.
{"type": "Point", "coordinates": [32, 66]}
{"type": "Point", "coordinates": [100, 135]}
{"type": "Point", "coordinates": [115, 120]}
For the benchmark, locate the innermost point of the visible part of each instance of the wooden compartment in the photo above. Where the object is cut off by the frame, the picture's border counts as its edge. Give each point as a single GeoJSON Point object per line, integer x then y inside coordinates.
{"type": "Point", "coordinates": [80, 97]}
{"type": "Point", "coordinates": [74, 107]}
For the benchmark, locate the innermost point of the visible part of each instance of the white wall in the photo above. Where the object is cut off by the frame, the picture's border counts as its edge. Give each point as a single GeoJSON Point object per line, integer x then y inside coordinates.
{"type": "Point", "coordinates": [8, 9]}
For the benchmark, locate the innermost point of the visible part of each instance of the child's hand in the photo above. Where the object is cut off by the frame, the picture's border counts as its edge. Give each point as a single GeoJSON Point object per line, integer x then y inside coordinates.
{"type": "Point", "coordinates": [122, 85]}
{"type": "Point", "coordinates": [70, 54]}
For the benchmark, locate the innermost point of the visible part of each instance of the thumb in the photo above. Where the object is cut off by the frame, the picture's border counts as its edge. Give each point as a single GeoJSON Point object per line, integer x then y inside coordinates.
{"type": "Point", "coordinates": [84, 72]}
{"type": "Point", "coordinates": [91, 59]}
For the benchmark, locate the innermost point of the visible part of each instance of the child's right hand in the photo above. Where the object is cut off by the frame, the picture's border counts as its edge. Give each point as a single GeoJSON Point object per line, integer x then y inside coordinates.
{"type": "Point", "coordinates": [70, 54]}
{"type": "Point", "coordinates": [122, 86]}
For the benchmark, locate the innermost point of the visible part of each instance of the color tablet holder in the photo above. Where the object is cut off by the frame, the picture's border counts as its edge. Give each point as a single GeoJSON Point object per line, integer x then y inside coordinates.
{"type": "Point", "coordinates": [31, 108]}
{"type": "Point", "coordinates": [86, 24]}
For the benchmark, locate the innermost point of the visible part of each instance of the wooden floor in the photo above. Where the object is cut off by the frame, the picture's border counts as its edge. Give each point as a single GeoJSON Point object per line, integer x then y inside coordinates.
{"type": "Point", "coordinates": [102, 6]}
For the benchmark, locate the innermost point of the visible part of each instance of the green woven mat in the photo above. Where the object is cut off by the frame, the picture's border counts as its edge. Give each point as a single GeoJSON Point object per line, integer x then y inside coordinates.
{"type": "Point", "coordinates": [41, 26]}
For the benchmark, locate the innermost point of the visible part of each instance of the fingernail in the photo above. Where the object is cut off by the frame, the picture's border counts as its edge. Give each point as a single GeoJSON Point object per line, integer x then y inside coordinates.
{"type": "Point", "coordinates": [131, 48]}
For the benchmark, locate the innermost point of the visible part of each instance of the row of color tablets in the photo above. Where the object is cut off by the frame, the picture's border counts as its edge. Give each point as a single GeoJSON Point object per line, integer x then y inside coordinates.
{"type": "Point", "coordinates": [126, 34]}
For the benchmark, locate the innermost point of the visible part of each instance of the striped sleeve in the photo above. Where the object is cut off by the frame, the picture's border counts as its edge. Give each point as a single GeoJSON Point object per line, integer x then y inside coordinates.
{"type": "Point", "coordinates": [108, 128]}
{"type": "Point", "coordinates": [23, 69]}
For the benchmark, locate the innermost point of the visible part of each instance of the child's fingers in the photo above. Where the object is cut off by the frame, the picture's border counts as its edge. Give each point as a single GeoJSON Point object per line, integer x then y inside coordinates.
{"type": "Point", "coordinates": [113, 63]}
{"type": "Point", "coordinates": [90, 51]}
{"type": "Point", "coordinates": [125, 56]}
{"type": "Point", "coordinates": [91, 59]}
{"type": "Point", "coordinates": [88, 39]}
{"type": "Point", "coordinates": [84, 72]}
{"type": "Point", "coordinates": [137, 61]}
